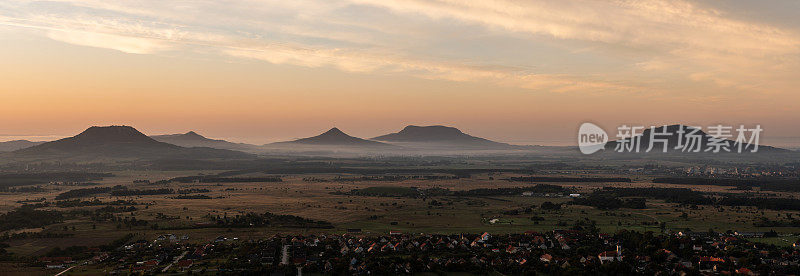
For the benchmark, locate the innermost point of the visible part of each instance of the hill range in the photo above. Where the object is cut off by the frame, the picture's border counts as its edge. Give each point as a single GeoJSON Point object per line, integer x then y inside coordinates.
{"type": "Point", "coordinates": [192, 139]}
{"type": "Point", "coordinates": [442, 137]}
{"type": "Point", "coordinates": [127, 142]}
{"type": "Point", "coordinates": [118, 142]}
{"type": "Point", "coordinates": [333, 139]}
{"type": "Point", "coordinates": [17, 145]}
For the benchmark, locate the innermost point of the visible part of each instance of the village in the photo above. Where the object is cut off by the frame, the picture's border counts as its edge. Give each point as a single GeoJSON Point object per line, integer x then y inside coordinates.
{"type": "Point", "coordinates": [559, 251]}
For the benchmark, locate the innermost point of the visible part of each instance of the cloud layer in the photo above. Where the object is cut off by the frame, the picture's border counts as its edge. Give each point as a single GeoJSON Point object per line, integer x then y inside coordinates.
{"type": "Point", "coordinates": [575, 46]}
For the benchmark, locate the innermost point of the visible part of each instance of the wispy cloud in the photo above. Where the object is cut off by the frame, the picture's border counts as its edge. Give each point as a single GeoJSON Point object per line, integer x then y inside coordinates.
{"type": "Point", "coordinates": [127, 44]}
{"type": "Point", "coordinates": [392, 37]}
{"type": "Point", "coordinates": [652, 23]}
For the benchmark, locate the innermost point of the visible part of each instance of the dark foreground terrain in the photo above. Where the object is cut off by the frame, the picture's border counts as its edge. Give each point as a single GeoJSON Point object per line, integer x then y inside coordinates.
{"type": "Point", "coordinates": [409, 215]}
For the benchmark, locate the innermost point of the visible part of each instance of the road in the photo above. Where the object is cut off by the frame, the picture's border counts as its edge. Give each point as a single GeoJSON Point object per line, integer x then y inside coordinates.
{"type": "Point", "coordinates": [65, 270]}
{"type": "Point", "coordinates": [175, 261]}
{"type": "Point", "coordinates": [285, 255]}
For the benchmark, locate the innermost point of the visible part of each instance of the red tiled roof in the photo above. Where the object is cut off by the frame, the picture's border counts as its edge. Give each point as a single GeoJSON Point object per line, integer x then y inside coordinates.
{"type": "Point", "coordinates": [608, 254]}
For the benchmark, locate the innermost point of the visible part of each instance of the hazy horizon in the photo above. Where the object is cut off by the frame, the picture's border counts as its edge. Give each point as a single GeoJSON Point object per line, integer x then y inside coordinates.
{"type": "Point", "coordinates": [783, 142]}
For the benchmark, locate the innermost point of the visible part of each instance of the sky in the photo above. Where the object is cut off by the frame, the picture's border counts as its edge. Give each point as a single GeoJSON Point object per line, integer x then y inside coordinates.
{"type": "Point", "coordinates": [525, 72]}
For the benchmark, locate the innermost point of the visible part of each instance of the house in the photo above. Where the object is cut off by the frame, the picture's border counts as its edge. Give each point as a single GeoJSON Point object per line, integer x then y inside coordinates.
{"type": "Point", "coordinates": [56, 262]}
{"type": "Point", "coordinates": [511, 249]}
{"type": "Point", "coordinates": [708, 264]}
{"type": "Point", "coordinates": [744, 271]}
{"type": "Point", "coordinates": [485, 236]}
{"type": "Point", "coordinates": [184, 264]}
{"type": "Point", "coordinates": [693, 234]}
{"type": "Point", "coordinates": [55, 265]}
{"type": "Point", "coordinates": [546, 258]}
{"type": "Point", "coordinates": [611, 256]}
{"type": "Point", "coordinates": [670, 255]}
{"type": "Point", "coordinates": [750, 234]}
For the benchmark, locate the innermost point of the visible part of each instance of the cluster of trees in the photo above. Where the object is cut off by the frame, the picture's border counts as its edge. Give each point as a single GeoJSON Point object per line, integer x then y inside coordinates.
{"type": "Point", "coordinates": [84, 192]}
{"type": "Point", "coordinates": [270, 219]}
{"type": "Point", "coordinates": [33, 235]}
{"type": "Point", "coordinates": [129, 222]}
{"type": "Point", "coordinates": [107, 213]}
{"type": "Point", "coordinates": [28, 217]}
{"type": "Point", "coordinates": [767, 184]}
{"type": "Point", "coordinates": [191, 197]}
{"type": "Point", "coordinates": [547, 205]}
{"type": "Point", "coordinates": [568, 179]}
{"type": "Point", "coordinates": [115, 209]}
{"type": "Point", "coordinates": [414, 192]}
{"type": "Point", "coordinates": [704, 181]}
{"type": "Point", "coordinates": [765, 222]}
{"type": "Point", "coordinates": [608, 201]}
{"type": "Point", "coordinates": [239, 179]}
{"type": "Point", "coordinates": [77, 203]}
{"type": "Point", "coordinates": [192, 191]}
{"type": "Point", "coordinates": [28, 189]}
{"type": "Point", "coordinates": [83, 252]}
{"type": "Point", "coordinates": [8, 180]}
{"type": "Point", "coordinates": [163, 191]}
{"type": "Point", "coordinates": [761, 202]}
{"type": "Point", "coordinates": [541, 188]}
{"type": "Point", "coordinates": [673, 195]}
{"type": "Point", "coordinates": [611, 197]}
{"type": "Point", "coordinates": [393, 178]}
{"type": "Point", "coordinates": [216, 179]}
{"type": "Point", "coordinates": [385, 191]}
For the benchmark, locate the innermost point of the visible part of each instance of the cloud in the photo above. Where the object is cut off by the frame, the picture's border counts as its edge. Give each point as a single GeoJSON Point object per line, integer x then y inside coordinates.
{"type": "Point", "coordinates": [652, 23]}
{"type": "Point", "coordinates": [364, 61]}
{"type": "Point", "coordinates": [676, 36]}
{"type": "Point", "coordinates": [637, 40]}
{"type": "Point", "coordinates": [126, 44]}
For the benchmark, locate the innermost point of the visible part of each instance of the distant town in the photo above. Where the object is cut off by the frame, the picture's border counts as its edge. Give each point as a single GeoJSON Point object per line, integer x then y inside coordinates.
{"type": "Point", "coordinates": [578, 250]}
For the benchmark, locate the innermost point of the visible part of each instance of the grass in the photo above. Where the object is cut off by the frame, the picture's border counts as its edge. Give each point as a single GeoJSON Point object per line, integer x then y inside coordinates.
{"type": "Point", "coordinates": [373, 214]}
{"type": "Point", "coordinates": [388, 191]}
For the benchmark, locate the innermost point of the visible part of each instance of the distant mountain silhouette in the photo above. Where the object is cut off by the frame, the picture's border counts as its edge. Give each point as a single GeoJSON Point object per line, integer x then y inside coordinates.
{"type": "Point", "coordinates": [118, 142]}
{"type": "Point", "coordinates": [192, 139]}
{"type": "Point", "coordinates": [335, 137]}
{"type": "Point", "coordinates": [442, 136]}
{"type": "Point", "coordinates": [16, 145]}
{"type": "Point", "coordinates": [675, 141]}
